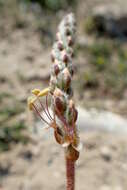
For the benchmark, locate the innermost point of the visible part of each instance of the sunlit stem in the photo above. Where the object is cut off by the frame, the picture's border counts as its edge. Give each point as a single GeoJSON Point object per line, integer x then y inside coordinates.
{"type": "Point", "coordinates": [70, 173]}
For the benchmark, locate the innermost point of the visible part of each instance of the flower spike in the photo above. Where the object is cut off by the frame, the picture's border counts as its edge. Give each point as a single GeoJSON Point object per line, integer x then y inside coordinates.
{"type": "Point", "coordinates": [64, 117]}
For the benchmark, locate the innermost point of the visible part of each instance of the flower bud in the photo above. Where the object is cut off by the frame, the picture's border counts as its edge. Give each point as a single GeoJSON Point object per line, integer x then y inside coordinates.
{"type": "Point", "coordinates": [71, 153]}
{"type": "Point", "coordinates": [60, 45]}
{"type": "Point", "coordinates": [67, 78]}
{"type": "Point", "coordinates": [59, 136]}
{"type": "Point", "coordinates": [67, 32]}
{"type": "Point", "coordinates": [65, 58]}
{"type": "Point", "coordinates": [59, 104]}
{"type": "Point", "coordinates": [56, 69]}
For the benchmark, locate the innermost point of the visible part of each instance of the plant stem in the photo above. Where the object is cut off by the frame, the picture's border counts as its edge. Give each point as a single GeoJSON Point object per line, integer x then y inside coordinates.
{"type": "Point", "coordinates": [70, 174]}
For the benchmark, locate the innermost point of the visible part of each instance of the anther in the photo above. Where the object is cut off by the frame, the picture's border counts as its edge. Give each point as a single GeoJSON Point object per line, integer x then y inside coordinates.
{"type": "Point", "coordinates": [43, 92]}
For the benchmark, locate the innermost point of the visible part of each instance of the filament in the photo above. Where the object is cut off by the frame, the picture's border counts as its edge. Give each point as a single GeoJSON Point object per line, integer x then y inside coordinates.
{"type": "Point", "coordinates": [47, 114]}
{"type": "Point", "coordinates": [38, 113]}
{"type": "Point", "coordinates": [47, 107]}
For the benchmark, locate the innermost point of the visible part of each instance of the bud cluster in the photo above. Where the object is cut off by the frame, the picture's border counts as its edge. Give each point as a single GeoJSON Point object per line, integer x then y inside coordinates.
{"type": "Point", "coordinates": [62, 53]}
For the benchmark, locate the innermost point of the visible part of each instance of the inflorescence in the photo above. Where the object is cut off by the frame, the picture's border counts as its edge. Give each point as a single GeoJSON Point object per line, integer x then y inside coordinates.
{"type": "Point", "coordinates": [64, 117]}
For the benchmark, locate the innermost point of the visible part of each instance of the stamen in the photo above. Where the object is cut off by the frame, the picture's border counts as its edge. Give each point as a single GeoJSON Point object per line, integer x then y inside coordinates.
{"type": "Point", "coordinates": [47, 108]}
{"type": "Point", "coordinates": [35, 91]}
{"type": "Point", "coordinates": [31, 101]}
{"type": "Point", "coordinates": [44, 110]}
{"type": "Point", "coordinates": [38, 113]}
{"type": "Point", "coordinates": [43, 92]}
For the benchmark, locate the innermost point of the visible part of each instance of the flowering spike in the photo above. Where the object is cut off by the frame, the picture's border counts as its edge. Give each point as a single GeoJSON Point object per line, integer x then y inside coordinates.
{"type": "Point", "coordinates": [48, 108]}
{"type": "Point", "coordinates": [60, 84]}
{"type": "Point", "coordinates": [60, 90]}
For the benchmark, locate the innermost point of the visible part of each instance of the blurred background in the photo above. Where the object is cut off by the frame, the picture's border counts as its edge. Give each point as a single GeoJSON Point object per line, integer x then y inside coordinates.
{"type": "Point", "coordinates": [29, 155]}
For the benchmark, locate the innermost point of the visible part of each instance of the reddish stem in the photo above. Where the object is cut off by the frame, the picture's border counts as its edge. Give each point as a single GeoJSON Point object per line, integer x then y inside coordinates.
{"type": "Point", "coordinates": [70, 174]}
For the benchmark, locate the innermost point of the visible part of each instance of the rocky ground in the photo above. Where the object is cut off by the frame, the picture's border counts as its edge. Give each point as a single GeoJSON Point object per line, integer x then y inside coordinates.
{"type": "Point", "coordinates": [26, 42]}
